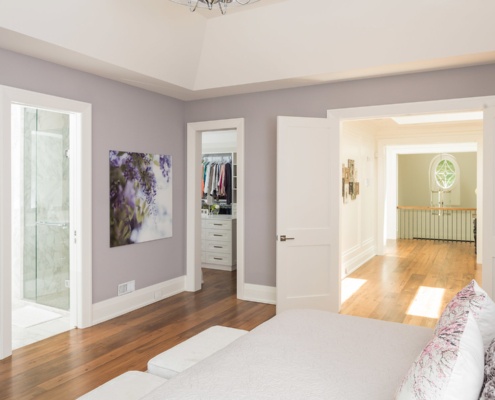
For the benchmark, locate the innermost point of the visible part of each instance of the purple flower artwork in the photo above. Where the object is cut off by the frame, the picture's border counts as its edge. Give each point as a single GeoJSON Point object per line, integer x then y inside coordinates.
{"type": "Point", "coordinates": [140, 197]}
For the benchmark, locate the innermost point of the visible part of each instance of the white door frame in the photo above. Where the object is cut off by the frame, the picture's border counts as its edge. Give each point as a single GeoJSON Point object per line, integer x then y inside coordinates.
{"type": "Point", "coordinates": [81, 222]}
{"type": "Point", "coordinates": [193, 235]}
{"type": "Point", "coordinates": [486, 215]}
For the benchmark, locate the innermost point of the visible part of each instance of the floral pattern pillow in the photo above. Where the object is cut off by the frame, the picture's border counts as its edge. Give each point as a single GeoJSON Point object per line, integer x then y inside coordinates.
{"type": "Point", "coordinates": [475, 299]}
{"type": "Point", "coordinates": [450, 366]}
{"type": "Point", "coordinates": [489, 381]}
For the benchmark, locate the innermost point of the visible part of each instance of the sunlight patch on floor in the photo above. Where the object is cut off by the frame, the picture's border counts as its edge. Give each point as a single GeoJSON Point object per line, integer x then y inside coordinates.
{"type": "Point", "coordinates": [427, 302]}
{"type": "Point", "coordinates": [349, 287]}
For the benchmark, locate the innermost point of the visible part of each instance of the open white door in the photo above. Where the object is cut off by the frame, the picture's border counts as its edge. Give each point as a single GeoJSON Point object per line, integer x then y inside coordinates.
{"type": "Point", "coordinates": [308, 202]}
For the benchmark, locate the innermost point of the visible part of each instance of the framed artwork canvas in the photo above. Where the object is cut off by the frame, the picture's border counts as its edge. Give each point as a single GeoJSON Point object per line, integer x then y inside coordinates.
{"type": "Point", "coordinates": [140, 197]}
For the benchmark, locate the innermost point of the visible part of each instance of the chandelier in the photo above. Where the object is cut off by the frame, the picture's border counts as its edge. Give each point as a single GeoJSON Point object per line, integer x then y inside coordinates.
{"type": "Point", "coordinates": [222, 4]}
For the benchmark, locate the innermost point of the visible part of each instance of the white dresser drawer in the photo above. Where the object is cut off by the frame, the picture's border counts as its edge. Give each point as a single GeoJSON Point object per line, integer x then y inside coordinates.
{"type": "Point", "coordinates": [219, 247]}
{"type": "Point", "coordinates": [218, 224]}
{"type": "Point", "coordinates": [218, 235]}
{"type": "Point", "coordinates": [223, 259]}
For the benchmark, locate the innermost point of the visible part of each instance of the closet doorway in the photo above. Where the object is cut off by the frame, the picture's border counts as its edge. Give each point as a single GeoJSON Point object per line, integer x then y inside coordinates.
{"type": "Point", "coordinates": [219, 200]}
{"type": "Point", "coordinates": [220, 142]}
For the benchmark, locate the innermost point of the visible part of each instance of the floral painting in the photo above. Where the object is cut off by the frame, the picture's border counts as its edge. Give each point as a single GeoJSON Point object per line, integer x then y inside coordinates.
{"type": "Point", "coordinates": [140, 197]}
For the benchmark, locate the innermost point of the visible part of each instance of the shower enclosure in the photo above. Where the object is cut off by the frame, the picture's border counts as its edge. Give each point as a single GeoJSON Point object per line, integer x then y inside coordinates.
{"type": "Point", "coordinates": [41, 198]}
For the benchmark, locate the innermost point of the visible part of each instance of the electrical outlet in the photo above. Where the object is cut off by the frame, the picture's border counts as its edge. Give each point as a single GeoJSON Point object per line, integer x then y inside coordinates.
{"type": "Point", "coordinates": [126, 287]}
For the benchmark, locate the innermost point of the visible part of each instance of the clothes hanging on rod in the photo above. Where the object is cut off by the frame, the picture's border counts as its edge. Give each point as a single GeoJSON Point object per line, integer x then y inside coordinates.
{"type": "Point", "coordinates": [217, 178]}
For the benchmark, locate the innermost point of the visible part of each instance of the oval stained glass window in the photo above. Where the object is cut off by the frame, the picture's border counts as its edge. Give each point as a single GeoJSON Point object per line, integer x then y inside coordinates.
{"type": "Point", "coordinates": [445, 174]}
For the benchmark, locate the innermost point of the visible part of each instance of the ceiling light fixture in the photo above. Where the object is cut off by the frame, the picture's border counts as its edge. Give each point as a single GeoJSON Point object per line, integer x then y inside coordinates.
{"type": "Point", "coordinates": [222, 4]}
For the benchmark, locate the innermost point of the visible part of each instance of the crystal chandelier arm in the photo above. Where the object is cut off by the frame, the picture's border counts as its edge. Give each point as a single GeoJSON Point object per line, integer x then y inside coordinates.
{"type": "Point", "coordinates": [193, 5]}
{"type": "Point", "coordinates": [223, 9]}
{"type": "Point", "coordinates": [222, 4]}
{"type": "Point", "coordinates": [209, 3]}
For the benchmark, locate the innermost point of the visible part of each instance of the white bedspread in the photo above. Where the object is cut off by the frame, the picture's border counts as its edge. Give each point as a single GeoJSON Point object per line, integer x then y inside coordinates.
{"type": "Point", "coordinates": [305, 354]}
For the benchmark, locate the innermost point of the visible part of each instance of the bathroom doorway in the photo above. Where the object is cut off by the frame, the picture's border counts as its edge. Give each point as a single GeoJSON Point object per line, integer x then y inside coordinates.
{"type": "Point", "coordinates": [42, 292]}
{"type": "Point", "coordinates": [40, 224]}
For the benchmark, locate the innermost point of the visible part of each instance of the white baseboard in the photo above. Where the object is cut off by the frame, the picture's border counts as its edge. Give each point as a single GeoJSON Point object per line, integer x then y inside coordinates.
{"type": "Point", "coordinates": [260, 293]}
{"type": "Point", "coordinates": [355, 260]}
{"type": "Point", "coordinates": [116, 306]}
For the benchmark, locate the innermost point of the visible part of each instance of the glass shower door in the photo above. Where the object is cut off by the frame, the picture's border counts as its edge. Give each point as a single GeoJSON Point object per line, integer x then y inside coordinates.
{"type": "Point", "coordinates": [46, 208]}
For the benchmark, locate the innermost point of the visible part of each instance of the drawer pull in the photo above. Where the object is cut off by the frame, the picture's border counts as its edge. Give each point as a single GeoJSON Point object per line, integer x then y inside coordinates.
{"type": "Point", "coordinates": [218, 224]}
{"type": "Point", "coordinates": [218, 247]}
{"type": "Point", "coordinates": [215, 234]}
{"type": "Point", "coordinates": [216, 258]}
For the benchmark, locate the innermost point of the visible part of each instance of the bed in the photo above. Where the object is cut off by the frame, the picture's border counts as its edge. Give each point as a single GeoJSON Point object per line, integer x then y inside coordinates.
{"type": "Point", "coordinates": [305, 354]}
{"type": "Point", "coordinates": [310, 354]}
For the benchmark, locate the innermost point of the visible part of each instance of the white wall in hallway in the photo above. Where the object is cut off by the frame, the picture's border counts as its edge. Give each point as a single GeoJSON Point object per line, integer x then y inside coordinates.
{"type": "Point", "coordinates": [358, 225]}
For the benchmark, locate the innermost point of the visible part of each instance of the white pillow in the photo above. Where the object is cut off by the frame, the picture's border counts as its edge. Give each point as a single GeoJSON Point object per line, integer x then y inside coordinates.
{"type": "Point", "coordinates": [489, 382]}
{"type": "Point", "coordinates": [473, 298]}
{"type": "Point", "coordinates": [450, 367]}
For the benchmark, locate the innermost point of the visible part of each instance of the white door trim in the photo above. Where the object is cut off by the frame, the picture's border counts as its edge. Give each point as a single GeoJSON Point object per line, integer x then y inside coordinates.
{"type": "Point", "coordinates": [81, 264]}
{"type": "Point", "coordinates": [193, 235]}
{"type": "Point", "coordinates": [486, 193]}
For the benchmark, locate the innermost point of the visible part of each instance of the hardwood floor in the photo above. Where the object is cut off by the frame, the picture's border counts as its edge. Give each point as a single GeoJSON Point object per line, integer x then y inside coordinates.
{"type": "Point", "coordinates": [426, 273]}
{"type": "Point", "coordinates": [72, 363]}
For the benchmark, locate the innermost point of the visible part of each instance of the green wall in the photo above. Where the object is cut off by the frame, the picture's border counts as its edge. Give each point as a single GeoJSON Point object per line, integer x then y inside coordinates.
{"type": "Point", "coordinates": [413, 179]}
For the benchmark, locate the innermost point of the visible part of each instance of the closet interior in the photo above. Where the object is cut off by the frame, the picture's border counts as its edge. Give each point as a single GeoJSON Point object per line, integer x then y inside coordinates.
{"type": "Point", "coordinates": [219, 201]}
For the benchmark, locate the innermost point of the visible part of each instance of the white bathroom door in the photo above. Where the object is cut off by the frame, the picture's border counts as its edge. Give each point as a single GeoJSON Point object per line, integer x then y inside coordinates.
{"type": "Point", "coordinates": [308, 201]}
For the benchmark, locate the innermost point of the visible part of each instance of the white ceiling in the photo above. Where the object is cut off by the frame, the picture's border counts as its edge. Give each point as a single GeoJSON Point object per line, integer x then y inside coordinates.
{"type": "Point", "coordinates": [161, 46]}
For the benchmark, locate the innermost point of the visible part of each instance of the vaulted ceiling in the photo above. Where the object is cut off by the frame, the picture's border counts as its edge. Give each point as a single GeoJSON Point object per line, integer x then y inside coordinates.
{"type": "Point", "coordinates": [161, 46]}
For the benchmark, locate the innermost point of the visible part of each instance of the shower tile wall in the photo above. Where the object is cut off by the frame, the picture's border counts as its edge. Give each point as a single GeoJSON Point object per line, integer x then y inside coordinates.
{"type": "Point", "coordinates": [46, 208]}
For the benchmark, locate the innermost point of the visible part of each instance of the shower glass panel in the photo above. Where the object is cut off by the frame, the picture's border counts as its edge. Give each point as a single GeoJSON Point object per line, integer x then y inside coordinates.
{"type": "Point", "coordinates": [46, 208]}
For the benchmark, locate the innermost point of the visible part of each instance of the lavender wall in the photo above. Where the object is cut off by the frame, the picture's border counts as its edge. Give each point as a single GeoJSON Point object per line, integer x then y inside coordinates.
{"type": "Point", "coordinates": [260, 111]}
{"type": "Point", "coordinates": [132, 119]}
{"type": "Point", "coordinates": [124, 118]}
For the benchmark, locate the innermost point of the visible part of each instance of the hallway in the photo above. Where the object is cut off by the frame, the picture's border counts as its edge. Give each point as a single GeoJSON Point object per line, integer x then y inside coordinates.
{"type": "Point", "coordinates": [412, 282]}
